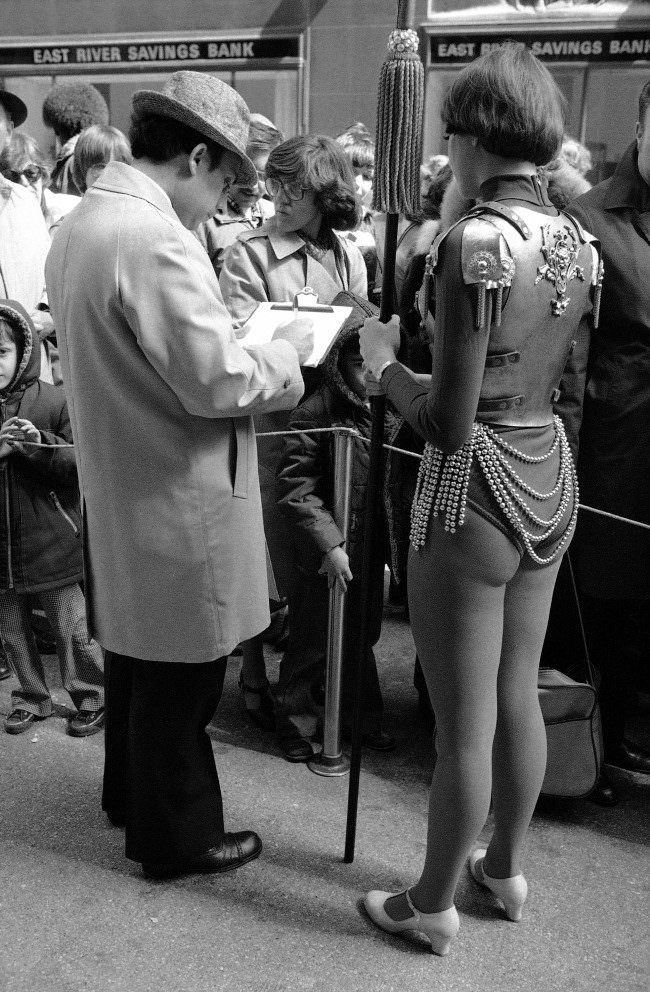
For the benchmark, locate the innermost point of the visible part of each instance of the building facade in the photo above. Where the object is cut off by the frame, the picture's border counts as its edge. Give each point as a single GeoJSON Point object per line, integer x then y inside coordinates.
{"type": "Point", "coordinates": [314, 64]}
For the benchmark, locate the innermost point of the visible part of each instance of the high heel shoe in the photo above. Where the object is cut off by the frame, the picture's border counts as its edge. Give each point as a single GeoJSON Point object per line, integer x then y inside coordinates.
{"type": "Point", "coordinates": [440, 928]}
{"type": "Point", "coordinates": [511, 892]}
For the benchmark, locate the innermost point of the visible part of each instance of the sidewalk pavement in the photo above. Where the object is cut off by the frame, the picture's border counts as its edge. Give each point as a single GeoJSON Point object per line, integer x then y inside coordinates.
{"type": "Point", "coordinates": [75, 916]}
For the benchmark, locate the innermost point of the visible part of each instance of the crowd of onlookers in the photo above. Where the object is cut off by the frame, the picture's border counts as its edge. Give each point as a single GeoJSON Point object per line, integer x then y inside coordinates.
{"type": "Point", "coordinates": [326, 235]}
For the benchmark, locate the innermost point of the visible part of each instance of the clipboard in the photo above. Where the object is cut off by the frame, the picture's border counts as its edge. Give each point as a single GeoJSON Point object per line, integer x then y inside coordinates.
{"type": "Point", "coordinates": [267, 317]}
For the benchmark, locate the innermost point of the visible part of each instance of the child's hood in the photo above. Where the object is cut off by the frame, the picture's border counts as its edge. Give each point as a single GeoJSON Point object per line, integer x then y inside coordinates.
{"type": "Point", "coordinates": [29, 366]}
{"type": "Point", "coordinates": [332, 375]}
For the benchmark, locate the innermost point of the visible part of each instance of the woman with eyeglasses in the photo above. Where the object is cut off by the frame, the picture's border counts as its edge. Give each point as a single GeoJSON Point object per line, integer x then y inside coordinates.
{"type": "Point", "coordinates": [512, 288]}
{"type": "Point", "coordinates": [22, 162]}
{"type": "Point", "coordinates": [314, 195]}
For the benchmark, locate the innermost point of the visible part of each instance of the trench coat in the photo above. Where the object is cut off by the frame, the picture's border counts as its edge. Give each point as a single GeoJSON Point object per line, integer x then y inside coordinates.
{"type": "Point", "coordinates": [614, 461]}
{"type": "Point", "coordinates": [160, 395]}
{"type": "Point", "coordinates": [267, 265]}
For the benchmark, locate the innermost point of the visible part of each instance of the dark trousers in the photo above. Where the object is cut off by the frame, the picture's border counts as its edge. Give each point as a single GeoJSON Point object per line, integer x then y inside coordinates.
{"type": "Point", "coordinates": [159, 769]}
{"type": "Point", "coordinates": [617, 633]}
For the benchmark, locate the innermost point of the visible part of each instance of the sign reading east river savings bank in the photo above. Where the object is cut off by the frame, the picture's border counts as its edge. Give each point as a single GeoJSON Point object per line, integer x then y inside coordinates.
{"type": "Point", "coordinates": [574, 46]}
{"type": "Point", "coordinates": [140, 53]}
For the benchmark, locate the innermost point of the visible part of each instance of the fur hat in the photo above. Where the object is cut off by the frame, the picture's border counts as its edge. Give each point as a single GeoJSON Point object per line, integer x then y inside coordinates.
{"type": "Point", "coordinates": [208, 105]}
{"type": "Point", "coordinates": [14, 107]}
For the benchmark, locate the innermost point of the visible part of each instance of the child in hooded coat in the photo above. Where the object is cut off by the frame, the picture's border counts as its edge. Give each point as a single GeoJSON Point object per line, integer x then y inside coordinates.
{"type": "Point", "coordinates": [305, 494]}
{"type": "Point", "coordinates": [40, 537]}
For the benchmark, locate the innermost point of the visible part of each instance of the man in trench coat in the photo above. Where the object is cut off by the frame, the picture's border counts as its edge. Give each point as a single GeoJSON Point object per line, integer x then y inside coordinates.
{"type": "Point", "coordinates": [613, 559]}
{"type": "Point", "coordinates": [160, 396]}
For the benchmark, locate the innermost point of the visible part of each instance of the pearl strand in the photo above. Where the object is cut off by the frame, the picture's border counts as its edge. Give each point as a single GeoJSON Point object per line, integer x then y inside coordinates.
{"type": "Point", "coordinates": [443, 483]}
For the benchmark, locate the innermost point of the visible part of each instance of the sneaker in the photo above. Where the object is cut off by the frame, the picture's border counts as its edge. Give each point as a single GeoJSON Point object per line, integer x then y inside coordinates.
{"type": "Point", "coordinates": [86, 722]}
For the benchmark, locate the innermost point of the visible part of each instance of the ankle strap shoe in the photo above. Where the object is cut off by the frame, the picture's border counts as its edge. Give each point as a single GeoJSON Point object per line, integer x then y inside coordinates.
{"type": "Point", "coordinates": [441, 928]}
{"type": "Point", "coordinates": [511, 892]}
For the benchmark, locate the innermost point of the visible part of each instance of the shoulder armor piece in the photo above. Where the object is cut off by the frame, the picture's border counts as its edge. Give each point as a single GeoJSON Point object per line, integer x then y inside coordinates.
{"type": "Point", "coordinates": [487, 264]}
{"type": "Point", "coordinates": [598, 266]}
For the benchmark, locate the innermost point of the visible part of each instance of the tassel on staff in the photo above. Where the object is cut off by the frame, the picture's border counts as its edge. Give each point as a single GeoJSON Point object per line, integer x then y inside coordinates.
{"type": "Point", "coordinates": [396, 190]}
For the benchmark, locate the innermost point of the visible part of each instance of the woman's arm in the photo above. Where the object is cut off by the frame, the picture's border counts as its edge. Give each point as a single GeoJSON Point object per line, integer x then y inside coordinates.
{"type": "Point", "coordinates": [443, 414]}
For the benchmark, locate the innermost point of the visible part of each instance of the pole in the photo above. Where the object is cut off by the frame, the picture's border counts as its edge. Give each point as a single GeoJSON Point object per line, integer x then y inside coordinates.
{"type": "Point", "coordinates": [396, 189]}
{"type": "Point", "coordinates": [331, 761]}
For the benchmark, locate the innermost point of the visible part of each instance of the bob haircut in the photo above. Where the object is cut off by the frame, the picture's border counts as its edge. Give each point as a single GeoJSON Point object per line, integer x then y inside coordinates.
{"type": "Point", "coordinates": [161, 139]}
{"type": "Point", "coordinates": [510, 102]}
{"type": "Point", "coordinates": [98, 145]}
{"type": "Point", "coordinates": [319, 164]}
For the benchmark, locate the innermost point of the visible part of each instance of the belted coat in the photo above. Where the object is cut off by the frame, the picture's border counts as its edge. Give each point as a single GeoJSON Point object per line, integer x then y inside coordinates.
{"type": "Point", "coordinates": [160, 395]}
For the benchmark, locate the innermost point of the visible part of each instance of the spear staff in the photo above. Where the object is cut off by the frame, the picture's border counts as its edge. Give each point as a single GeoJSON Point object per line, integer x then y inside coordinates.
{"type": "Point", "coordinates": [396, 190]}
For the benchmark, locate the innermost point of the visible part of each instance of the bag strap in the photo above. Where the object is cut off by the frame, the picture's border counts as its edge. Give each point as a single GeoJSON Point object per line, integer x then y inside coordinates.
{"type": "Point", "coordinates": [591, 676]}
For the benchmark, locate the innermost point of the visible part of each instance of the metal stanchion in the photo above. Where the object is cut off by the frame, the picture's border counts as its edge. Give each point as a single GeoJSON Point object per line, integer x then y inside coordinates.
{"type": "Point", "coordinates": [331, 761]}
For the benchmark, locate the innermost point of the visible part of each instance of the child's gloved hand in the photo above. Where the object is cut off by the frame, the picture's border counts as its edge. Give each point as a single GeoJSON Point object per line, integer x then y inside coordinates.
{"type": "Point", "coordinates": [15, 431]}
{"type": "Point", "coordinates": [336, 566]}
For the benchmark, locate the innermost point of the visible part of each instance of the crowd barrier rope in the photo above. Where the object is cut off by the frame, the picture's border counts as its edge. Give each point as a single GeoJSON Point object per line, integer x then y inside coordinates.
{"type": "Point", "coordinates": [332, 761]}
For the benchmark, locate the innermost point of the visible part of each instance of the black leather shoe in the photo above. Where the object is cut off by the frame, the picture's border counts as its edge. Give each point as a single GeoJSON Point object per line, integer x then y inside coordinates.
{"type": "Point", "coordinates": [296, 749]}
{"type": "Point", "coordinates": [235, 850]}
{"type": "Point", "coordinates": [603, 793]}
{"type": "Point", "coordinates": [631, 758]}
{"type": "Point", "coordinates": [19, 721]}
{"type": "Point", "coordinates": [86, 722]}
{"type": "Point", "coordinates": [5, 672]}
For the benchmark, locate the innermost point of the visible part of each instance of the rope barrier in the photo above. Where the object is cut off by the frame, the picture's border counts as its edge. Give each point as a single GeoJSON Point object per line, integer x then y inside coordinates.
{"type": "Point", "coordinates": [387, 447]}
{"type": "Point", "coordinates": [414, 454]}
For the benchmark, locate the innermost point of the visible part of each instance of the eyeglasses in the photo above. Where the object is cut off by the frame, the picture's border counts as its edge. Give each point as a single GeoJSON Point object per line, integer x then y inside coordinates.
{"type": "Point", "coordinates": [31, 172]}
{"type": "Point", "coordinates": [294, 191]}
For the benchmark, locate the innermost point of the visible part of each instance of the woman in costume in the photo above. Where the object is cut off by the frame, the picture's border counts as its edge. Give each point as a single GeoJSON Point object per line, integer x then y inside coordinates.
{"type": "Point", "coordinates": [512, 288]}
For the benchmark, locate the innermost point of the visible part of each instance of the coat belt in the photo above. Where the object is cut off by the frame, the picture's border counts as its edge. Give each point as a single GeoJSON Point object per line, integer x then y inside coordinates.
{"type": "Point", "coordinates": [243, 437]}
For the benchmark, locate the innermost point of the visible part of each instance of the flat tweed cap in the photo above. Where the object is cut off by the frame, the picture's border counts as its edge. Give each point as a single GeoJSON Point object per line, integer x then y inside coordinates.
{"type": "Point", "coordinates": [208, 105]}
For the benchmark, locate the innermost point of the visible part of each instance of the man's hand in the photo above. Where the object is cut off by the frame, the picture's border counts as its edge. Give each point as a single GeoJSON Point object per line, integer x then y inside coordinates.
{"type": "Point", "coordinates": [298, 332]}
{"type": "Point", "coordinates": [336, 566]}
{"type": "Point", "coordinates": [15, 431]}
{"type": "Point", "coordinates": [379, 342]}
